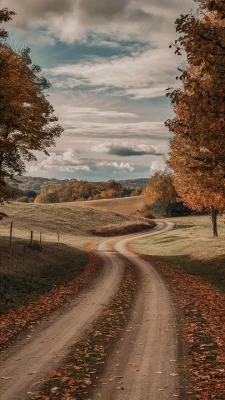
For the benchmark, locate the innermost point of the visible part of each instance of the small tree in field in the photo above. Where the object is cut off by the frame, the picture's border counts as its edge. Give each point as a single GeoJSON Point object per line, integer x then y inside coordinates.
{"type": "Point", "coordinates": [162, 196]}
{"type": "Point", "coordinates": [27, 120]}
{"type": "Point", "coordinates": [160, 188]}
{"type": "Point", "coordinates": [197, 153]}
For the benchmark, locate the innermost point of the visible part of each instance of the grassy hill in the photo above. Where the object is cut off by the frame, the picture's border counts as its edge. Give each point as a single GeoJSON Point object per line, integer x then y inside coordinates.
{"type": "Point", "coordinates": [127, 206]}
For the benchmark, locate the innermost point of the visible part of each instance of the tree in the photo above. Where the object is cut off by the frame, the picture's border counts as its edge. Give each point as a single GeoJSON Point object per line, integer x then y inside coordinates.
{"type": "Point", "coordinates": [160, 188]}
{"type": "Point", "coordinates": [5, 16]}
{"type": "Point", "coordinates": [197, 153]}
{"type": "Point", "coordinates": [162, 196]}
{"type": "Point", "coordinates": [27, 120]}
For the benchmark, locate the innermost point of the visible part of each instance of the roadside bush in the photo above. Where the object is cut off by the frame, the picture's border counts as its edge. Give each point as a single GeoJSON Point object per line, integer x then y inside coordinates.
{"type": "Point", "coordinates": [161, 209]}
{"type": "Point", "coordinates": [23, 199]}
{"type": "Point", "coordinates": [146, 212]}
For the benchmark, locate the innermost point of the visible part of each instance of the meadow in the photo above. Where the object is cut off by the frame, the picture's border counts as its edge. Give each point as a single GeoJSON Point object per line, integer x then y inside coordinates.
{"type": "Point", "coordinates": [190, 247]}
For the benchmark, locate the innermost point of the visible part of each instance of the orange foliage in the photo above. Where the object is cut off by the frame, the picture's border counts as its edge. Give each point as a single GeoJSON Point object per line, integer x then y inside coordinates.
{"type": "Point", "coordinates": [198, 146]}
{"type": "Point", "coordinates": [27, 120]}
{"type": "Point", "coordinates": [160, 188]}
{"type": "Point", "coordinates": [80, 190]}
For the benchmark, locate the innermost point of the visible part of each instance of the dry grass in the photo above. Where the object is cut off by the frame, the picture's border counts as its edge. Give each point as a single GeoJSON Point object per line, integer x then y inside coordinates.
{"type": "Point", "coordinates": [127, 205]}
{"type": "Point", "coordinates": [73, 221]}
{"type": "Point", "coordinates": [190, 246]}
{"type": "Point", "coordinates": [124, 229]}
{"type": "Point", "coordinates": [26, 273]}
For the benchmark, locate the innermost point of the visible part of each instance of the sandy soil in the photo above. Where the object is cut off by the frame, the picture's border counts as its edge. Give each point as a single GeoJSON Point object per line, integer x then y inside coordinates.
{"type": "Point", "coordinates": [144, 358]}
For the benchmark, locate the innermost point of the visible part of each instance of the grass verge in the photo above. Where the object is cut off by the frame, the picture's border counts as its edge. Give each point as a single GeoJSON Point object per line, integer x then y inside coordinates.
{"type": "Point", "coordinates": [25, 317]}
{"type": "Point", "coordinates": [75, 378]}
{"type": "Point", "coordinates": [190, 248]}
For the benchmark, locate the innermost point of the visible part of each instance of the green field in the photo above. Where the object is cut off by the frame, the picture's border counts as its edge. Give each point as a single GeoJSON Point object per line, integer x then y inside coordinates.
{"type": "Point", "coordinates": [190, 247]}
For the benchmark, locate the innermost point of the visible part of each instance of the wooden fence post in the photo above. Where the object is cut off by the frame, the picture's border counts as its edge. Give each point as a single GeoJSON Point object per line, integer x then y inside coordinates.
{"type": "Point", "coordinates": [58, 234]}
{"type": "Point", "coordinates": [40, 238]}
{"type": "Point", "coordinates": [10, 237]}
{"type": "Point", "coordinates": [31, 238]}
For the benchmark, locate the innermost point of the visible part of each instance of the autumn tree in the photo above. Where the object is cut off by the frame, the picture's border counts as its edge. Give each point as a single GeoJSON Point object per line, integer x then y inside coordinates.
{"type": "Point", "coordinates": [162, 196]}
{"type": "Point", "coordinates": [27, 120]}
{"type": "Point", "coordinates": [197, 153]}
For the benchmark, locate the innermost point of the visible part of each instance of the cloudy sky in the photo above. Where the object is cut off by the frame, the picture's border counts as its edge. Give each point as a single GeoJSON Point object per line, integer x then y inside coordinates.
{"type": "Point", "coordinates": [109, 63]}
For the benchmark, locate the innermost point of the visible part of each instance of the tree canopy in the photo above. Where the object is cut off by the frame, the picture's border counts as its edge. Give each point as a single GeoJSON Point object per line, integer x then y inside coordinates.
{"type": "Point", "coordinates": [27, 120]}
{"type": "Point", "coordinates": [162, 196]}
{"type": "Point", "coordinates": [197, 154]}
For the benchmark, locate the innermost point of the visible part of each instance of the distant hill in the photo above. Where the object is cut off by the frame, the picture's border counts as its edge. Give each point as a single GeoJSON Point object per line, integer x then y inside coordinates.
{"type": "Point", "coordinates": [37, 184]}
{"type": "Point", "coordinates": [44, 184]}
{"type": "Point", "coordinates": [139, 182]}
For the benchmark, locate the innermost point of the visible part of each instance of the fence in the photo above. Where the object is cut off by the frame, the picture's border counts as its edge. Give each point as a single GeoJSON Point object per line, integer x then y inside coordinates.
{"type": "Point", "coordinates": [32, 236]}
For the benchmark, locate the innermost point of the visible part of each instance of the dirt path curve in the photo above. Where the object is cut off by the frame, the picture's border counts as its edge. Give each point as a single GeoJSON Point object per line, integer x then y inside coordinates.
{"type": "Point", "coordinates": [43, 350]}
{"type": "Point", "coordinates": [143, 365]}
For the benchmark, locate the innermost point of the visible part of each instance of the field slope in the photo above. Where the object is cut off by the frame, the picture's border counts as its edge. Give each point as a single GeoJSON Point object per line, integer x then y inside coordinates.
{"type": "Point", "coordinates": [126, 205]}
{"type": "Point", "coordinates": [191, 248]}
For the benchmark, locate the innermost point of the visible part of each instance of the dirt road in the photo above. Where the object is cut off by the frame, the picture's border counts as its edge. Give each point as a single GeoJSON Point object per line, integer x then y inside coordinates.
{"type": "Point", "coordinates": [143, 365]}
{"type": "Point", "coordinates": [151, 333]}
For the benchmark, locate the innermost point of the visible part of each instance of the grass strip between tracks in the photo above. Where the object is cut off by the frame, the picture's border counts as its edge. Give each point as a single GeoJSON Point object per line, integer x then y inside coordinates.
{"type": "Point", "coordinates": [204, 329]}
{"type": "Point", "coordinates": [16, 321]}
{"type": "Point", "coordinates": [76, 378]}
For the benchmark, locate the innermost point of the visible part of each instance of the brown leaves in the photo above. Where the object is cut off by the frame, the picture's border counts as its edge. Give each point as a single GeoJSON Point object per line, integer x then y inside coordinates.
{"type": "Point", "coordinates": [203, 307]}
{"type": "Point", "coordinates": [88, 356]}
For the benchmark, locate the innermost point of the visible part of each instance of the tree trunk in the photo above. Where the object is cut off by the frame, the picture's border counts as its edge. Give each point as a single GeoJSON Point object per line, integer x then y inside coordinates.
{"type": "Point", "coordinates": [214, 221]}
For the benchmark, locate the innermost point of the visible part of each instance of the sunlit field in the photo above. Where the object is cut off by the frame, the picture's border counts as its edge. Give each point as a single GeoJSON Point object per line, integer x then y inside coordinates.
{"type": "Point", "coordinates": [191, 247]}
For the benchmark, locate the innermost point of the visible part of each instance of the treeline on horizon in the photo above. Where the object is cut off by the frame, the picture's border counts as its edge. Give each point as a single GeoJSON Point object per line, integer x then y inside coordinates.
{"type": "Point", "coordinates": [43, 190]}
{"type": "Point", "coordinates": [162, 199]}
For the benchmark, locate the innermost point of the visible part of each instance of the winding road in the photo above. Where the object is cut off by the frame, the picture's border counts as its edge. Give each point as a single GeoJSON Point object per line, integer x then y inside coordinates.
{"type": "Point", "coordinates": [143, 365]}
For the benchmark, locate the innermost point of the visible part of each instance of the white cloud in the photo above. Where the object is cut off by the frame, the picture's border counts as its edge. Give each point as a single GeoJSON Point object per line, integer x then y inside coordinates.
{"type": "Point", "coordinates": [117, 130]}
{"type": "Point", "coordinates": [127, 148]}
{"type": "Point", "coordinates": [157, 166]}
{"type": "Point", "coordinates": [88, 113]}
{"type": "Point", "coordinates": [70, 20]}
{"type": "Point", "coordinates": [143, 76]}
{"type": "Point", "coordinates": [147, 92]}
{"type": "Point", "coordinates": [66, 161]}
{"type": "Point", "coordinates": [74, 168]}
{"type": "Point", "coordinates": [115, 165]}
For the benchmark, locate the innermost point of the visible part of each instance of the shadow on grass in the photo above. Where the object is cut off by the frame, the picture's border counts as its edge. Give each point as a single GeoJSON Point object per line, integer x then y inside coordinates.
{"type": "Point", "coordinates": [167, 239]}
{"type": "Point", "coordinates": [26, 273]}
{"type": "Point", "coordinates": [183, 226]}
{"type": "Point", "coordinates": [212, 270]}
